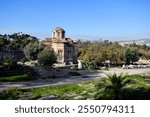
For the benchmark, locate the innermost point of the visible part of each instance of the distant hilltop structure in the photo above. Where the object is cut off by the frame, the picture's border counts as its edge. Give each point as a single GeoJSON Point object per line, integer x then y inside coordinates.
{"type": "Point", "coordinates": [63, 47]}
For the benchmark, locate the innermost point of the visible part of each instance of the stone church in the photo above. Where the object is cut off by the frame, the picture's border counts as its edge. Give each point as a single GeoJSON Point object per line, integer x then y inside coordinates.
{"type": "Point", "coordinates": [63, 47]}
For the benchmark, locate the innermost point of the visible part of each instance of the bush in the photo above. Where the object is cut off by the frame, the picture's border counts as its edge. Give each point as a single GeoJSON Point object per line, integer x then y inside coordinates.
{"type": "Point", "coordinates": [88, 65]}
{"type": "Point", "coordinates": [47, 57]}
{"type": "Point", "coordinates": [11, 62]}
{"type": "Point", "coordinates": [139, 93]}
{"type": "Point", "coordinates": [131, 55]}
{"type": "Point", "coordinates": [32, 49]}
{"type": "Point", "coordinates": [113, 85]}
{"type": "Point", "coordinates": [102, 95]}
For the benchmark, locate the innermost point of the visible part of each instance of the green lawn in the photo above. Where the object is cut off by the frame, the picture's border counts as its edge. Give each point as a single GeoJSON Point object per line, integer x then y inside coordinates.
{"type": "Point", "coordinates": [17, 74]}
{"type": "Point", "coordinates": [17, 78]}
{"type": "Point", "coordinates": [65, 91]}
{"type": "Point", "coordinates": [138, 89]}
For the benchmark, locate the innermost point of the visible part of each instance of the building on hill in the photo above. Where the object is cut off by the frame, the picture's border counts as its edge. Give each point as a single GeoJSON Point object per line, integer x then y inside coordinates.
{"type": "Point", "coordinates": [63, 47]}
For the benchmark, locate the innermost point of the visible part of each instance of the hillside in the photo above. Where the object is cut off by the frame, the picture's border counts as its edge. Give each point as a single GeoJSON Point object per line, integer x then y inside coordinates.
{"type": "Point", "coordinates": [138, 42]}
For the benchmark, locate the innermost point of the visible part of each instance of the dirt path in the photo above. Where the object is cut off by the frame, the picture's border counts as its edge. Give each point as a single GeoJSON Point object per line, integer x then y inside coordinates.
{"type": "Point", "coordinates": [42, 72]}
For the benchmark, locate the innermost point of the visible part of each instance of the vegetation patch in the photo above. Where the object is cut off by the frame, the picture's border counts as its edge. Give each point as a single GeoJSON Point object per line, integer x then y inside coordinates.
{"type": "Point", "coordinates": [19, 73]}
{"type": "Point", "coordinates": [132, 87]}
{"type": "Point", "coordinates": [16, 93]}
{"type": "Point", "coordinates": [58, 89]}
{"type": "Point", "coordinates": [18, 78]}
{"type": "Point", "coordinates": [137, 88]}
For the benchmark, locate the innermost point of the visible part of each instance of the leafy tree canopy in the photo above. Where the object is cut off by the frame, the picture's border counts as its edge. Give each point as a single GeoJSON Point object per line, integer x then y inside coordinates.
{"type": "Point", "coordinates": [131, 55]}
{"type": "Point", "coordinates": [47, 57]}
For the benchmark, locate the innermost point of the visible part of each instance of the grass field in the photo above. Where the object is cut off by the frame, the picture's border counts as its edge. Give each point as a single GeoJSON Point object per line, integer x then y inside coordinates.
{"type": "Point", "coordinates": [17, 74]}
{"type": "Point", "coordinates": [139, 88]}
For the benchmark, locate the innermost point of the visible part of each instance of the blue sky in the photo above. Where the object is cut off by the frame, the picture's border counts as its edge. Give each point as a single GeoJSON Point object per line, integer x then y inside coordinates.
{"type": "Point", "coordinates": [94, 19]}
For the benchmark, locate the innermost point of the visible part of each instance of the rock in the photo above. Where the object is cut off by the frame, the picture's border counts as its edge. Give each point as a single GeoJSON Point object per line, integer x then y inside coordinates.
{"type": "Point", "coordinates": [90, 99]}
{"type": "Point", "coordinates": [79, 85]}
{"type": "Point", "coordinates": [78, 97]}
{"type": "Point", "coordinates": [92, 93]}
{"type": "Point", "coordinates": [83, 92]}
{"type": "Point", "coordinates": [48, 97]}
{"type": "Point", "coordinates": [71, 94]}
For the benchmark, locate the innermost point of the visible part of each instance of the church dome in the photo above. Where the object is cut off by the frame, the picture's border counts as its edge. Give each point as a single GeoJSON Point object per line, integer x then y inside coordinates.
{"type": "Point", "coordinates": [58, 33]}
{"type": "Point", "coordinates": [59, 29]}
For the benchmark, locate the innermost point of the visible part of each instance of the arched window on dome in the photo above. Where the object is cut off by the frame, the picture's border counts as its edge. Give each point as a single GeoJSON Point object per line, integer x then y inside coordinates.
{"type": "Point", "coordinates": [58, 34]}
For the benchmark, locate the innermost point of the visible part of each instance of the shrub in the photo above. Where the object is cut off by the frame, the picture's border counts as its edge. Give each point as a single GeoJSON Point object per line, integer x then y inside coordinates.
{"type": "Point", "coordinates": [11, 62]}
{"type": "Point", "coordinates": [131, 55]}
{"type": "Point", "coordinates": [139, 93]}
{"type": "Point", "coordinates": [113, 85]}
{"type": "Point", "coordinates": [47, 57]}
{"type": "Point", "coordinates": [32, 49]}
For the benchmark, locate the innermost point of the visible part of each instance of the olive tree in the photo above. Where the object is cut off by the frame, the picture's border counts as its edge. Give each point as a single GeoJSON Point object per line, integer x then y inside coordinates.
{"type": "Point", "coordinates": [32, 49]}
{"type": "Point", "coordinates": [47, 57]}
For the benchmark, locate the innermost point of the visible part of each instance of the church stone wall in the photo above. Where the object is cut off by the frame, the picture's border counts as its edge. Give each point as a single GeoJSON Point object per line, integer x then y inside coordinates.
{"type": "Point", "coordinates": [59, 50]}
{"type": "Point", "coordinates": [68, 53]}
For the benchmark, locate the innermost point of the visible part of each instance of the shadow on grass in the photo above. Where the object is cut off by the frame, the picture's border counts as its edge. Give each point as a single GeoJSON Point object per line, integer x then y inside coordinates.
{"type": "Point", "coordinates": [136, 94]}
{"type": "Point", "coordinates": [17, 74]}
{"type": "Point", "coordinates": [127, 94]}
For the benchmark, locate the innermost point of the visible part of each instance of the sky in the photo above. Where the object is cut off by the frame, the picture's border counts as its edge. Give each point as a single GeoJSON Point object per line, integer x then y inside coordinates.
{"type": "Point", "coordinates": [90, 19]}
